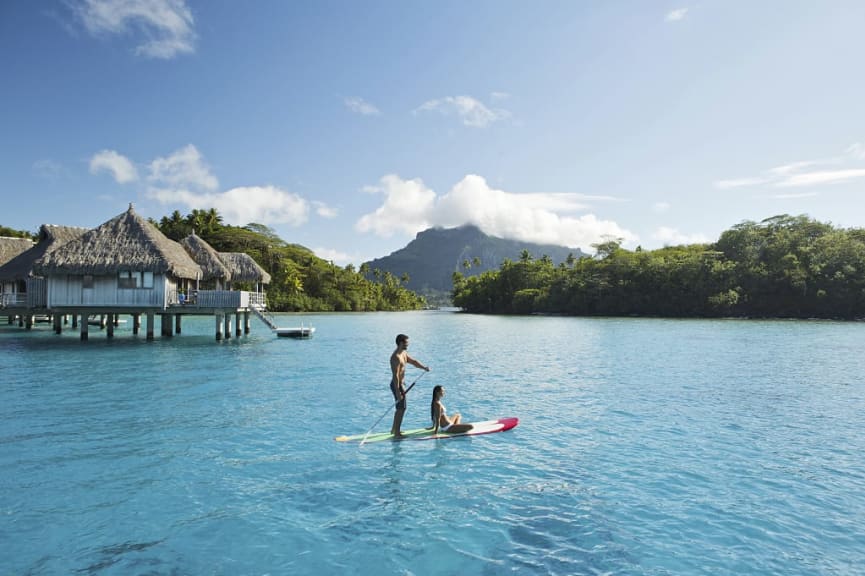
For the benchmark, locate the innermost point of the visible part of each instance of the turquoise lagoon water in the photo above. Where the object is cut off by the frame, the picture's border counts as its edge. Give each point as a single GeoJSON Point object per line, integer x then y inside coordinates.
{"type": "Point", "coordinates": [644, 447]}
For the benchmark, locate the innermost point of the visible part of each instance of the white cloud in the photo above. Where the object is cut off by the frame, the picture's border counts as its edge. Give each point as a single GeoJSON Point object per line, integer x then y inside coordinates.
{"type": "Point", "coordinates": [242, 205]}
{"type": "Point", "coordinates": [821, 177]}
{"type": "Point", "coordinates": [471, 112]}
{"type": "Point", "coordinates": [185, 178]}
{"type": "Point", "coordinates": [184, 168]}
{"type": "Point", "coordinates": [361, 106]}
{"type": "Point", "coordinates": [676, 15]}
{"type": "Point", "coordinates": [336, 256]}
{"type": "Point", "coordinates": [672, 237]}
{"type": "Point", "coordinates": [117, 165]}
{"type": "Point", "coordinates": [406, 207]}
{"type": "Point", "coordinates": [410, 207]}
{"type": "Point", "coordinates": [856, 150]}
{"type": "Point", "coordinates": [165, 27]}
{"type": "Point", "coordinates": [807, 172]}
{"type": "Point", "coordinates": [324, 210]}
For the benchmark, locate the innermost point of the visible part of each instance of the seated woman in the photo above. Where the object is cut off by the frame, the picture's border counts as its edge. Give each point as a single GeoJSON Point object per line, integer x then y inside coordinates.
{"type": "Point", "coordinates": [441, 422]}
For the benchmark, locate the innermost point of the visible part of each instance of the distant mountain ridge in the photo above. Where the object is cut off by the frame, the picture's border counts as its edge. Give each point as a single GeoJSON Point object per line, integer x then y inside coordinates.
{"type": "Point", "coordinates": [435, 254]}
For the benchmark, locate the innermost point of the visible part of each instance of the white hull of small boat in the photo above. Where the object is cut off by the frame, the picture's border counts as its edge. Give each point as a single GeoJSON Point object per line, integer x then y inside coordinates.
{"type": "Point", "coordinates": [299, 332]}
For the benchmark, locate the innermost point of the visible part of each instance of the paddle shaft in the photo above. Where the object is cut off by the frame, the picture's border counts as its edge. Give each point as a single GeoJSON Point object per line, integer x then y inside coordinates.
{"type": "Point", "coordinates": [394, 406]}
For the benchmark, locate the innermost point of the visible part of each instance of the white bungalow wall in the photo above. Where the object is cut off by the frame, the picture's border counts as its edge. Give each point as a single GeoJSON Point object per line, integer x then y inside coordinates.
{"type": "Point", "coordinates": [69, 291]}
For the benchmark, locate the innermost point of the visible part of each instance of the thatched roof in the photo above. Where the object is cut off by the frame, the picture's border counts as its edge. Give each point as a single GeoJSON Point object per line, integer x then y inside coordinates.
{"type": "Point", "coordinates": [244, 268]}
{"type": "Point", "coordinates": [12, 247]}
{"type": "Point", "coordinates": [126, 242]}
{"type": "Point", "coordinates": [51, 238]}
{"type": "Point", "coordinates": [206, 257]}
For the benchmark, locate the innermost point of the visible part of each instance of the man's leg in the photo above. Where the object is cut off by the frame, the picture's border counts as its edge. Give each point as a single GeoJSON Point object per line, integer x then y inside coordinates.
{"type": "Point", "coordinates": [397, 422]}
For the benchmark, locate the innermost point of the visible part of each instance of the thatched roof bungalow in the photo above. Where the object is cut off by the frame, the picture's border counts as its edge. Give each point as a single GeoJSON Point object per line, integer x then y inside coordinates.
{"type": "Point", "coordinates": [18, 280]}
{"type": "Point", "coordinates": [244, 268]}
{"type": "Point", "coordinates": [126, 262]}
{"type": "Point", "coordinates": [212, 266]}
{"type": "Point", "coordinates": [50, 238]}
{"type": "Point", "coordinates": [12, 247]}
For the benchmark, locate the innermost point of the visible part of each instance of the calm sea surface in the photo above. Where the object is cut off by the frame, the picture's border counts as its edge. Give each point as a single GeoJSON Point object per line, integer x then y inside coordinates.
{"type": "Point", "coordinates": [644, 447]}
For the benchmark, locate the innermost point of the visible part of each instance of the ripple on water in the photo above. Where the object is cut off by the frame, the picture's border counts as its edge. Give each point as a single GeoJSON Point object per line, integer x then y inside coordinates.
{"type": "Point", "coordinates": [644, 447]}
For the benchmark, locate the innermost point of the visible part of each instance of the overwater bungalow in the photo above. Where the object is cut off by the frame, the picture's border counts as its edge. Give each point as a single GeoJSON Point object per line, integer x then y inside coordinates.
{"type": "Point", "coordinates": [22, 290]}
{"type": "Point", "coordinates": [127, 266]}
{"type": "Point", "coordinates": [12, 247]}
{"type": "Point", "coordinates": [215, 274]}
{"type": "Point", "coordinates": [244, 268]}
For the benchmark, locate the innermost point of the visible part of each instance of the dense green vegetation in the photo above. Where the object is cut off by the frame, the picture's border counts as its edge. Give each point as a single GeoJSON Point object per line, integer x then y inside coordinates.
{"type": "Point", "coordinates": [782, 267]}
{"type": "Point", "coordinates": [301, 281]}
{"type": "Point", "coordinates": [12, 233]}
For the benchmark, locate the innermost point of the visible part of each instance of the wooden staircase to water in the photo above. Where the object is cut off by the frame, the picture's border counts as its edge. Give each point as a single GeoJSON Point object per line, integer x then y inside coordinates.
{"type": "Point", "coordinates": [261, 313]}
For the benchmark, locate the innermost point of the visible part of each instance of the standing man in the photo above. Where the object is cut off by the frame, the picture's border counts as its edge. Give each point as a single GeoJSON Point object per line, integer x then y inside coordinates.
{"type": "Point", "coordinates": [398, 360]}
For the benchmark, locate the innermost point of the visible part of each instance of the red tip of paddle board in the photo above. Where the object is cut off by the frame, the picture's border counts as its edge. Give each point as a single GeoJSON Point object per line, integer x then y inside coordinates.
{"type": "Point", "coordinates": [508, 423]}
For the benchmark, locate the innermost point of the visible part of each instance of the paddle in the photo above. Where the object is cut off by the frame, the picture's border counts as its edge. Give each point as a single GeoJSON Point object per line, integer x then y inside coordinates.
{"type": "Point", "coordinates": [391, 407]}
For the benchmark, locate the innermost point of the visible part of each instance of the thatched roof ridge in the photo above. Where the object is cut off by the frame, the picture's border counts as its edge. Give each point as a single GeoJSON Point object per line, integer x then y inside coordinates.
{"type": "Point", "coordinates": [51, 238]}
{"type": "Point", "coordinates": [12, 247]}
{"type": "Point", "coordinates": [206, 257]}
{"type": "Point", "coordinates": [126, 242]}
{"type": "Point", "coordinates": [244, 268]}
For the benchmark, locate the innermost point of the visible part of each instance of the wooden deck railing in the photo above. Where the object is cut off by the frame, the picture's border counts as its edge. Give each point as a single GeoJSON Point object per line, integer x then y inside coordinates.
{"type": "Point", "coordinates": [217, 299]}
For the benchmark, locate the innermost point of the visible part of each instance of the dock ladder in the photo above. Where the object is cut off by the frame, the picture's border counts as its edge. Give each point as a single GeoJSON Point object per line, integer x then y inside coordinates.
{"type": "Point", "coordinates": [262, 314]}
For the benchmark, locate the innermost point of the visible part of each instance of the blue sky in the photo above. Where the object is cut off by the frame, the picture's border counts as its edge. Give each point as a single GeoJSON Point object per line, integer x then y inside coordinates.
{"type": "Point", "coordinates": [349, 126]}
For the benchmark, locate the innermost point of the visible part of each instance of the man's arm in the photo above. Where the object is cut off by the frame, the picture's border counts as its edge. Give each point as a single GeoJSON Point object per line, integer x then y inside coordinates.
{"type": "Point", "coordinates": [415, 363]}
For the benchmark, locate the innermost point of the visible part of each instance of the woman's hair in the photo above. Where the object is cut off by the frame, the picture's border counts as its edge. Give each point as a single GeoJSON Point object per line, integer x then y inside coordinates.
{"type": "Point", "coordinates": [437, 393]}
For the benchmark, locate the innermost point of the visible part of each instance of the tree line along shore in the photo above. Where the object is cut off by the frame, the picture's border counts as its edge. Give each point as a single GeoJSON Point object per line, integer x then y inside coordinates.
{"type": "Point", "coordinates": [782, 267]}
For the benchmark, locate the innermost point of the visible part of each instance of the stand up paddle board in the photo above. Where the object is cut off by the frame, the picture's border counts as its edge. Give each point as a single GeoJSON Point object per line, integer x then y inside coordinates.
{"type": "Point", "coordinates": [485, 427]}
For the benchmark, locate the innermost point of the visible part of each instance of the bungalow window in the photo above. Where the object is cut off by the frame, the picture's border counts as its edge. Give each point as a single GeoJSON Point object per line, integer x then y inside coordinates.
{"type": "Point", "coordinates": [127, 279]}
{"type": "Point", "coordinates": [134, 279]}
{"type": "Point", "coordinates": [87, 281]}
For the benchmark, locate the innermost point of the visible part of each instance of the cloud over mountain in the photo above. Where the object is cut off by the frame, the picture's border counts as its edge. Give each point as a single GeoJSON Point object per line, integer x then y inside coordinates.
{"type": "Point", "coordinates": [409, 206]}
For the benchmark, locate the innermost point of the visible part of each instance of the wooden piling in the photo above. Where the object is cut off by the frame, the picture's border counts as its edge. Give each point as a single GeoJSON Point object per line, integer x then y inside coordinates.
{"type": "Point", "coordinates": [165, 325]}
